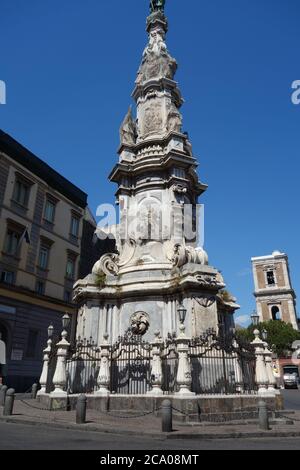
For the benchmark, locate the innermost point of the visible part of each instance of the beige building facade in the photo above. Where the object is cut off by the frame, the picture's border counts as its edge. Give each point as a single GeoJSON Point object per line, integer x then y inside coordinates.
{"type": "Point", "coordinates": [275, 296]}
{"type": "Point", "coordinates": [41, 227]}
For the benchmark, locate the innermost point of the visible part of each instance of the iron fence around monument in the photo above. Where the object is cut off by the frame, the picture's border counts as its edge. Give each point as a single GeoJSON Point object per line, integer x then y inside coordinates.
{"type": "Point", "coordinates": [169, 359]}
{"type": "Point", "coordinates": [222, 365]}
{"type": "Point", "coordinates": [83, 365]}
{"type": "Point", "coordinates": [130, 372]}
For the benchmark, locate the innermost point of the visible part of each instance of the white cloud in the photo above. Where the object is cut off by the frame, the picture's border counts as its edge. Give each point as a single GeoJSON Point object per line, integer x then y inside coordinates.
{"type": "Point", "coordinates": [243, 319]}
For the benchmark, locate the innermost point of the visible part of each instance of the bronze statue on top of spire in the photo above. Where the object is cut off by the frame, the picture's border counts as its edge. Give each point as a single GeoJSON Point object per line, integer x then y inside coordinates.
{"type": "Point", "coordinates": [157, 5]}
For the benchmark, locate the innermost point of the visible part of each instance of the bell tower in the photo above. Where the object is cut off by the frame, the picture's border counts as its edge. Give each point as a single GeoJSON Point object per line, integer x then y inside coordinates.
{"type": "Point", "coordinates": [275, 296]}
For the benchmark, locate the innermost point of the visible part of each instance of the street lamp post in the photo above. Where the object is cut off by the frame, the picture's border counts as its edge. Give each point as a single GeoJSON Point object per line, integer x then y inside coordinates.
{"type": "Point", "coordinates": [255, 318]}
{"type": "Point", "coordinates": [184, 374]}
{"type": "Point", "coordinates": [181, 313]}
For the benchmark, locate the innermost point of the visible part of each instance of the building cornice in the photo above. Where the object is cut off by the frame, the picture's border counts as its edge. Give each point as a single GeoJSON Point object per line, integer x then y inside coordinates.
{"type": "Point", "coordinates": [38, 167]}
{"type": "Point", "coordinates": [20, 295]}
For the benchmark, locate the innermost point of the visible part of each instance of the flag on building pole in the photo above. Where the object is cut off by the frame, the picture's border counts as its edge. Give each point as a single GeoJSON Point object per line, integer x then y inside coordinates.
{"type": "Point", "coordinates": [25, 236]}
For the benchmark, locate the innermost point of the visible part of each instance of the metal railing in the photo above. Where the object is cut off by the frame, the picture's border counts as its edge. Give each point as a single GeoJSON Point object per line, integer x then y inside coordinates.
{"type": "Point", "coordinates": [219, 365]}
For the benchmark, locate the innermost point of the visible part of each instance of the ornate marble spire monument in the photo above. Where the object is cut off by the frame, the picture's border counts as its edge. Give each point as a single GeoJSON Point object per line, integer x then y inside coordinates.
{"type": "Point", "coordinates": [159, 264]}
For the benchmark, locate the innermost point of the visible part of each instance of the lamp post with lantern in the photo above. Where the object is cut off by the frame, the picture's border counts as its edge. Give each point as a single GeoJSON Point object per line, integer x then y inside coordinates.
{"type": "Point", "coordinates": [255, 318]}
{"type": "Point", "coordinates": [184, 374]}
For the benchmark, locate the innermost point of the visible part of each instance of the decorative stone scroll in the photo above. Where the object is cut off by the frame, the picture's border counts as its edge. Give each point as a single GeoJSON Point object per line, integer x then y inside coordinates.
{"type": "Point", "coordinates": [108, 264]}
{"type": "Point", "coordinates": [186, 254]}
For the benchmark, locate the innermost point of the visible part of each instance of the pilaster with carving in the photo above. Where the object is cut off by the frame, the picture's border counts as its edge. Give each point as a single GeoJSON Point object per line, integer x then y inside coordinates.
{"type": "Point", "coordinates": [269, 369]}
{"type": "Point", "coordinates": [261, 375]}
{"type": "Point", "coordinates": [104, 372]}
{"type": "Point", "coordinates": [184, 374]}
{"type": "Point", "coordinates": [156, 366]}
{"type": "Point", "coordinates": [60, 376]}
{"type": "Point", "coordinates": [44, 374]}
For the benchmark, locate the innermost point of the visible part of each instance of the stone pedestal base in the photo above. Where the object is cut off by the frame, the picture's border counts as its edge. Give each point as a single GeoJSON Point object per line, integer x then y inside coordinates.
{"type": "Point", "coordinates": [194, 408]}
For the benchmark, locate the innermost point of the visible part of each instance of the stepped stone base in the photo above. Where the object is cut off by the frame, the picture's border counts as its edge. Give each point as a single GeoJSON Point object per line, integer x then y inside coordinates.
{"type": "Point", "coordinates": [199, 408]}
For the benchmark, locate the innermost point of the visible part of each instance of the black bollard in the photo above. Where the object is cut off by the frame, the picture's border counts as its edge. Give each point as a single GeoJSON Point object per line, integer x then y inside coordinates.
{"type": "Point", "coordinates": [81, 409]}
{"type": "Point", "coordinates": [166, 414]}
{"type": "Point", "coordinates": [9, 402]}
{"type": "Point", "coordinates": [34, 391]}
{"type": "Point", "coordinates": [263, 416]}
{"type": "Point", "coordinates": [3, 394]}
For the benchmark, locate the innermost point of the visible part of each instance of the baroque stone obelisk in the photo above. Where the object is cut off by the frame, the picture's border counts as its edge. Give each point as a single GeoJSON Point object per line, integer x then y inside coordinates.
{"type": "Point", "coordinates": [158, 264]}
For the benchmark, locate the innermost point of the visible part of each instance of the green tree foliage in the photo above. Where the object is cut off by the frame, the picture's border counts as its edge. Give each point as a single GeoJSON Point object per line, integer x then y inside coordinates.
{"type": "Point", "coordinates": [280, 336]}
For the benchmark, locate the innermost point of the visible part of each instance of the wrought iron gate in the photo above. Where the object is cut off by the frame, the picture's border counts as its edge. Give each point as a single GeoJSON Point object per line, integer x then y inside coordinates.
{"type": "Point", "coordinates": [222, 365]}
{"type": "Point", "coordinates": [169, 358]}
{"type": "Point", "coordinates": [130, 371]}
{"type": "Point", "coordinates": [83, 367]}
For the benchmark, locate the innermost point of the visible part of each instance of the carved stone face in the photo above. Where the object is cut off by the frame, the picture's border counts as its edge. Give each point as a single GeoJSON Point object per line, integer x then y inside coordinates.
{"type": "Point", "coordinates": [140, 323]}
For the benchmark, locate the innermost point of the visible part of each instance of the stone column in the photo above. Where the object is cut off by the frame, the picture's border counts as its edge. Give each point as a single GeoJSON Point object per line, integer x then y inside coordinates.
{"type": "Point", "coordinates": [238, 375]}
{"type": "Point", "coordinates": [156, 367]}
{"type": "Point", "coordinates": [262, 379]}
{"type": "Point", "coordinates": [60, 376]}
{"type": "Point", "coordinates": [184, 374]}
{"type": "Point", "coordinates": [103, 381]}
{"type": "Point", "coordinates": [44, 375]}
{"type": "Point", "coordinates": [269, 369]}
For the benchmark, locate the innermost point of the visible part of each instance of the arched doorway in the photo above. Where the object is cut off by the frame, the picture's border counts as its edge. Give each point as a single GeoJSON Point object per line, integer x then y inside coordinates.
{"type": "Point", "coordinates": [275, 313]}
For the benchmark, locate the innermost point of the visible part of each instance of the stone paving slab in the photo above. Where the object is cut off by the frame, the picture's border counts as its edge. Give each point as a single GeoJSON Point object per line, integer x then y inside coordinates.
{"type": "Point", "coordinates": [31, 412]}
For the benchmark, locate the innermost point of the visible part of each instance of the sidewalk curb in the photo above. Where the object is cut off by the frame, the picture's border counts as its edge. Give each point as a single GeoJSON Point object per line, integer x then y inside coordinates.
{"type": "Point", "coordinates": [159, 436]}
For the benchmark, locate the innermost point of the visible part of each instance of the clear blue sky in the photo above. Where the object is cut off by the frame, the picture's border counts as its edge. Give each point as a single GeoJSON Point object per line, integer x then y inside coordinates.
{"type": "Point", "coordinates": [70, 66]}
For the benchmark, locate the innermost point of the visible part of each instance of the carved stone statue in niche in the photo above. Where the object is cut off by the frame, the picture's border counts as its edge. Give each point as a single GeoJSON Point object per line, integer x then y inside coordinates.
{"type": "Point", "coordinates": [156, 62]}
{"type": "Point", "coordinates": [128, 131]}
{"type": "Point", "coordinates": [188, 145]}
{"type": "Point", "coordinates": [174, 121]}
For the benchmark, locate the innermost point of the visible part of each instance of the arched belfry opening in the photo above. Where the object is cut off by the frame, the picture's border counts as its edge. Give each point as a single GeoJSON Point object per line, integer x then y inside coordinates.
{"type": "Point", "coordinates": [276, 313]}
